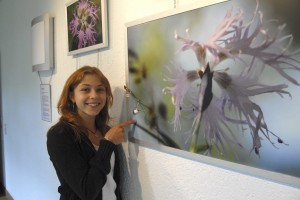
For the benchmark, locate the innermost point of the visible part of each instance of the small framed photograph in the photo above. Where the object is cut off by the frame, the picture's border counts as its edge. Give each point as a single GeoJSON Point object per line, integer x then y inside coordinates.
{"type": "Point", "coordinates": [86, 25]}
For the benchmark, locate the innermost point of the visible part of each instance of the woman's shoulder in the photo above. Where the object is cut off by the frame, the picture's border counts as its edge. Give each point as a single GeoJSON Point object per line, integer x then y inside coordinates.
{"type": "Point", "coordinates": [59, 128]}
{"type": "Point", "coordinates": [60, 134]}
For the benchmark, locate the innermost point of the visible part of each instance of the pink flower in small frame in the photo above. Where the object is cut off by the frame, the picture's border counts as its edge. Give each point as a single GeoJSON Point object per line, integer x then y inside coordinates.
{"type": "Point", "coordinates": [82, 26]}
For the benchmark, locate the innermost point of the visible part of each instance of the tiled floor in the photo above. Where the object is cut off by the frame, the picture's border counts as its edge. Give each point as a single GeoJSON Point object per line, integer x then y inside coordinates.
{"type": "Point", "coordinates": [4, 192]}
{"type": "Point", "coordinates": [5, 198]}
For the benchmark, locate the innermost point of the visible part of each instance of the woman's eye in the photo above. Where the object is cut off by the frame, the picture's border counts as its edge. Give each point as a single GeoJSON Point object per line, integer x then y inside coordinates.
{"type": "Point", "coordinates": [85, 89]}
{"type": "Point", "coordinates": [101, 89]}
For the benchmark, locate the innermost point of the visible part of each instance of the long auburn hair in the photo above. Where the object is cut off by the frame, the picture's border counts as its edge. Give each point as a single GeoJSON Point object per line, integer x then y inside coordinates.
{"type": "Point", "coordinates": [68, 110]}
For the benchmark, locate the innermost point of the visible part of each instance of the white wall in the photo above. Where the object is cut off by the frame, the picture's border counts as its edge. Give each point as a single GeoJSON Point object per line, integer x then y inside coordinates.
{"type": "Point", "coordinates": [150, 174]}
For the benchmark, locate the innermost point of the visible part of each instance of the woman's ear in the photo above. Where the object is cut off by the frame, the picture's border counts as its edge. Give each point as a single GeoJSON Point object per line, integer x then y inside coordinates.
{"type": "Point", "coordinates": [71, 96]}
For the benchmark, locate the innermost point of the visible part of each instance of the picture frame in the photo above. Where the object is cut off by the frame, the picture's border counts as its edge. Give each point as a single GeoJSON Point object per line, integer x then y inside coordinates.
{"type": "Point", "coordinates": [42, 43]}
{"type": "Point", "coordinates": [91, 35]}
{"type": "Point", "coordinates": [165, 44]}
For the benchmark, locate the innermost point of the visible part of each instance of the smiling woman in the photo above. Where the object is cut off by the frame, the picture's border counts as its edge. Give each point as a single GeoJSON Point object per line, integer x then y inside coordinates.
{"type": "Point", "coordinates": [82, 147]}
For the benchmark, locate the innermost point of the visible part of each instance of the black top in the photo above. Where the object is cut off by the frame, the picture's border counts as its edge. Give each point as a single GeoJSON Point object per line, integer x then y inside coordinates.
{"type": "Point", "coordinates": [81, 170]}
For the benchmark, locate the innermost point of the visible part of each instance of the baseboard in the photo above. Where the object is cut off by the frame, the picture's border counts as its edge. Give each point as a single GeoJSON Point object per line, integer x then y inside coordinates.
{"type": "Point", "coordinates": [2, 190]}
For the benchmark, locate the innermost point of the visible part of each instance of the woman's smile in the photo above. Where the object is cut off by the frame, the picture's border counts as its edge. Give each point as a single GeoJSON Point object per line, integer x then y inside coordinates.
{"type": "Point", "coordinates": [89, 96]}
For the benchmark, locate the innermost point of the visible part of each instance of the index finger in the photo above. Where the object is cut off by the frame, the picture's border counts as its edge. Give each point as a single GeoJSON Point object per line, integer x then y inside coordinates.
{"type": "Point", "coordinates": [126, 123]}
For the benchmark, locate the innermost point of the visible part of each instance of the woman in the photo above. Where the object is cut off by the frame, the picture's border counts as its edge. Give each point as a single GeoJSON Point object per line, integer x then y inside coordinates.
{"type": "Point", "coordinates": [81, 146]}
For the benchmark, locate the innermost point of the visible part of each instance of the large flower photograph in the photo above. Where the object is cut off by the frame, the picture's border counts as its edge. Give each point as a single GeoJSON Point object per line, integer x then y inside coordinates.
{"type": "Point", "coordinates": [87, 27]}
{"type": "Point", "coordinates": [221, 81]}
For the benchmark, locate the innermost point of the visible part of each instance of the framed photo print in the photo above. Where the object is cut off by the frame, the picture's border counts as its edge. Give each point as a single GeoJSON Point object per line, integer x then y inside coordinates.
{"type": "Point", "coordinates": [86, 25]}
{"type": "Point", "coordinates": [219, 84]}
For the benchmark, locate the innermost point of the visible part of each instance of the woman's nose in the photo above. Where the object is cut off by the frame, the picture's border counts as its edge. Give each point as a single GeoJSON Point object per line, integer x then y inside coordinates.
{"type": "Point", "coordinates": [93, 94]}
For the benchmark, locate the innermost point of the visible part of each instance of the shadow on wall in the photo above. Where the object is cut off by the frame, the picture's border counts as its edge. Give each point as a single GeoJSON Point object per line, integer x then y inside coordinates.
{"type": "Point", "coordinates": [130, 183]}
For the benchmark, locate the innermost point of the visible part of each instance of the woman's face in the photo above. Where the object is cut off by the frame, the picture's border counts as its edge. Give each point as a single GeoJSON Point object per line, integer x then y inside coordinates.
{"type": "Point", "coordinates": [89, 96]}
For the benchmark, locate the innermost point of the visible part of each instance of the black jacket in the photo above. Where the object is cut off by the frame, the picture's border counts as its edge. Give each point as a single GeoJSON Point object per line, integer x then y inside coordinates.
{"type": "Point", "coordinates": [81, 169]}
